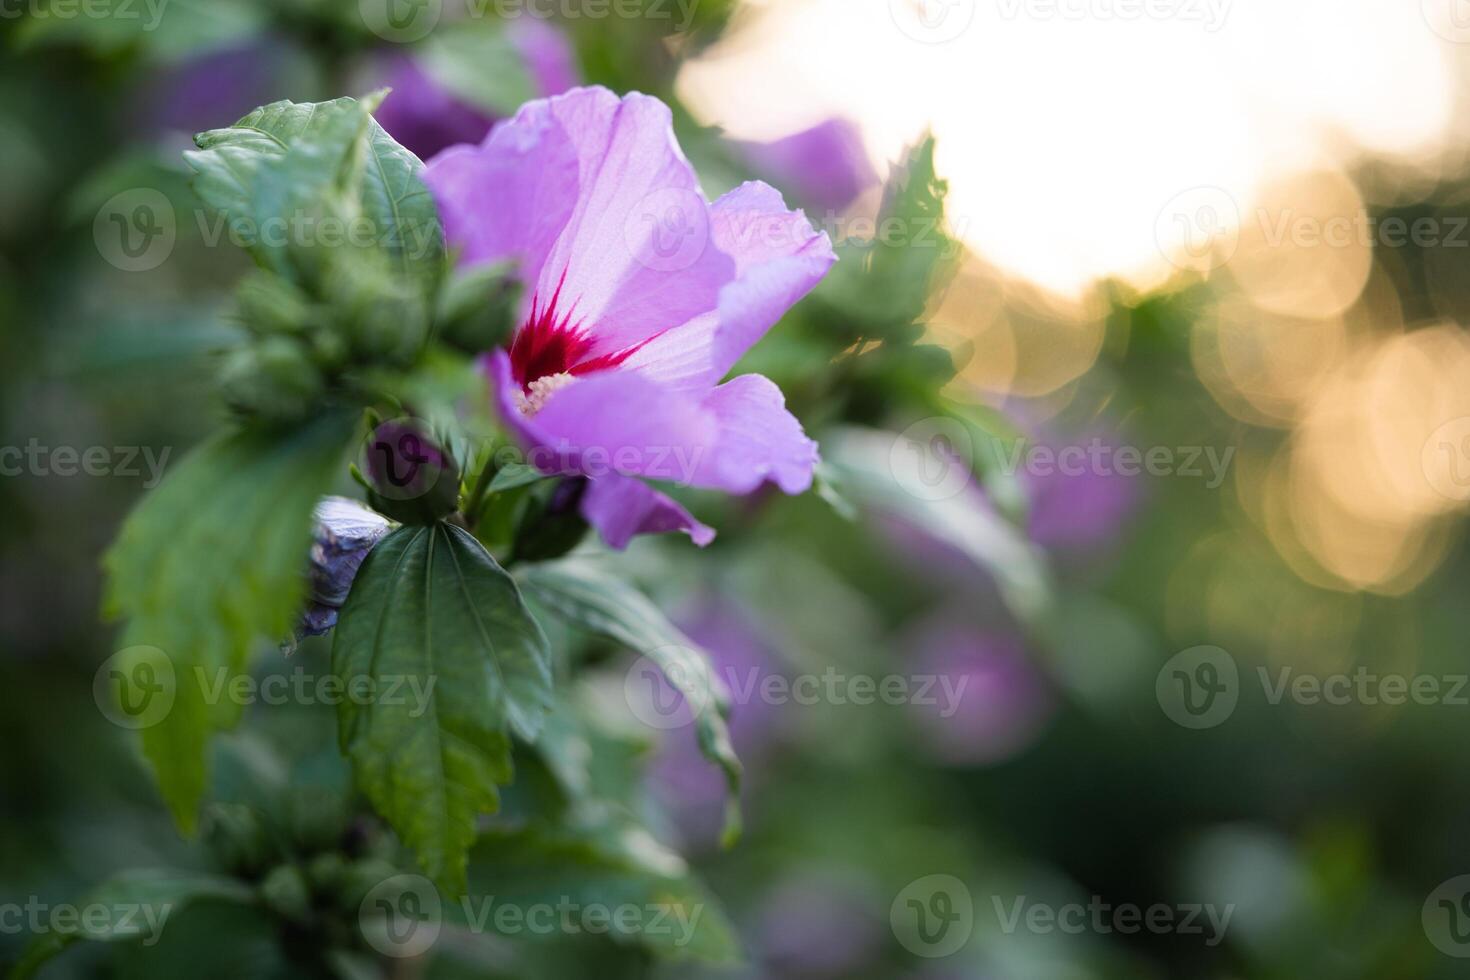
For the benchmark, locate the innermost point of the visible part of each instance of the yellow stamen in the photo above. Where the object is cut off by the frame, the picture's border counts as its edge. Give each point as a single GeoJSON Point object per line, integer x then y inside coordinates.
{"type": "Point", "coordinates": [530, 402]}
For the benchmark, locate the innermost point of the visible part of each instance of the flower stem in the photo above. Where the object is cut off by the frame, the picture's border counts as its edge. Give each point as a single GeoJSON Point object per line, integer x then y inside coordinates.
{"type": "Point", "coordinates": [471, 509]}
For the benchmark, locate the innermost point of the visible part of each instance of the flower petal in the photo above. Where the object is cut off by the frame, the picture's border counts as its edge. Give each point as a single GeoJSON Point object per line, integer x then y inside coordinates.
{"type": "Point", "coordinates": [779, 258]}
{"type": "Point", "coordinates": [511, 196]}
{"type": "Point", "coordinates": [547, 53]}
{"type": "Point", "coordinates": [609, 423]}
{"type": "Point", "coordinates": [753, 225]}
{"type": "Point", "coordinates": [636, 254]}
{"type": "Point", "coordinates": [345, 531]}
{"type": "Point", "coordinates": [621, 507]}
{"type": "Point", "coordinates": [825, 166]}
{"type": "Point", "coordinates": [759, 440]}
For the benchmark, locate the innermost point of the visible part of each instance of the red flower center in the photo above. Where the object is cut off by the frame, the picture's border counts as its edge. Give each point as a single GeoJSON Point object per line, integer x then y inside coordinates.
{"type": "Point", "coordinates": [549, 343]}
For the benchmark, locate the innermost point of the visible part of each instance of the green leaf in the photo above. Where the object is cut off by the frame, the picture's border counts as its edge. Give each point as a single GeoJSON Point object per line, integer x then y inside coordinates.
{"type": "Point", "coordinates": [879, 474]}
{"type": "Point", "coordinates": [305, 164]}
{"type": "Point", "coordinates": [829, 489]}
{"type": "Point", "coordinates": [514, 475]}
{"type": "Point", "coordinates": [398, 203]}
{"type": "Point", "coordinates": [140, 903]}
{"type": "Point", "coordinates": [605, 862]}
{"type": "Point", "coordinates": [204, 567]}
{"type": "Point", "coordinates": [431, 613]}
{"type": "Point", "coordinates": [594, 759]}
{"type": "Point", "coordinates": [885, 285]}
{"type": "Point", "coordinates": [992, 440]}
{"type": "Point", "coordinates": [593, 600]}
{"type": "Point", "coordinates": [238, 942]}
{"type": "Point", "coordinates": [550, 524]}
{"type": "Point", "coordinates": [280, 165]}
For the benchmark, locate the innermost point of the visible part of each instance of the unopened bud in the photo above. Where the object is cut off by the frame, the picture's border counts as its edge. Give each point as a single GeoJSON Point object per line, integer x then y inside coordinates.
{"type": "Point", "coordinates": [413, 479]}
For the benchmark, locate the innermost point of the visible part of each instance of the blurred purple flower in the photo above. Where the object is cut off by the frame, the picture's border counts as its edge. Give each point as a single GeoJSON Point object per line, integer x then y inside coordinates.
{"type": "Point", "coordinates": [642, 296]}
{"type": "Point", "coordinates": [548, 54]}
{"type": "Point", "coordinates": [825, 167]}
{"type": "Point", "coordinates": [422, 115]}
{"type": "Point", "coordinates": [741, 658]}
{"type": "Point", "coordinates": [345, 532]}
{"type": "Point", "coordinates": [820, 923]}
{"type": "Point", "coordinates": [935, 561]}
{"type": "Point", "coordinates": [1087, 506]}
{"type": "Point", "coordinates": [426, 118]}
{"type": "Point", "coordinates": [214, 89]}
{"type": "Point", "coordinates": [1077, 508]}
{"type": "Point", "coordinates": [990, 702]}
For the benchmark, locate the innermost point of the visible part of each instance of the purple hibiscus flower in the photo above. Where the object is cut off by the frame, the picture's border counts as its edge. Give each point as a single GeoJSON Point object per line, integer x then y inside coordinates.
{"type": "Point", "coordinates": [641, 296]}
{"type": "Point", "coordinates": [427, 118]}
{"type": "Point", "coordinates": [825, 166]}
{"type": "Point", "coordinates": [1083, 506]}
{"type": "Point", "coordinates": [992, 701]}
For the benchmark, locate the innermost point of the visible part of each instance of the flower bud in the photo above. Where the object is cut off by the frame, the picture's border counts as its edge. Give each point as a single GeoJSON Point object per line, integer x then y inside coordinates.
{"type": "Point", "coordinates": [552, 523]}
{"type": "Point", "coordinates": [237, 839]}
{"type": "Point", "coordinates": [384, 318]}
{"type": "Point", "coordinates": [316, 818]}
{"type": "Point", "coordinates": [274, 380]}
{"type": "Point", "coordinates": [286, 892]}
{"type": "Point", "coordinates": [477, 309]}
{"type": "Point", "coordinates": [268, 304]}
{"type": "Point", "coordinates": [413, 479]}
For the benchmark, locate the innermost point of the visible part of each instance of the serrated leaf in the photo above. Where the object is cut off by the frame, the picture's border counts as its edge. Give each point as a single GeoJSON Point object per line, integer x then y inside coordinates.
{"type": "Point", "coordinates": [593, 600]}
{"type": "Point", "coordinates": [205, 566]}
{"type": "Point", "coordinates": [141, 901]}
{"type": "Point", "coordinates": [312, 162]}
{"type": "Point", "coordinates": [431, 607]}
{"type": "Point", "coordinates": [279, 165]}
{"type": "Point", "coordinates": [606, 862]}
{"type": "Point", "coordinates": [885, 285]}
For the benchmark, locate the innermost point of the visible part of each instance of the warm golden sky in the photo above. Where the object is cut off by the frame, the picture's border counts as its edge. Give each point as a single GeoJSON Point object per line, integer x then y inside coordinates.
{"type": "Point", "coordinates": [1070, 128]}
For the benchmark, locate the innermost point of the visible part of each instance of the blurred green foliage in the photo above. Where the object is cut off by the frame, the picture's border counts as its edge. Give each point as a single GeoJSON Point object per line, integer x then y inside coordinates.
{"type": "Point", "coordinates": [1325, 828]}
